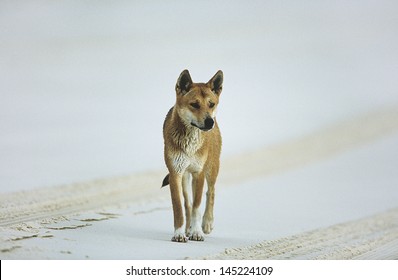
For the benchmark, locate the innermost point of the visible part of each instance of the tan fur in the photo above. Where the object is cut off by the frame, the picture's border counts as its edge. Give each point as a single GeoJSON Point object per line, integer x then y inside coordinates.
{"type": "Point", "coordinates": [192, 147]}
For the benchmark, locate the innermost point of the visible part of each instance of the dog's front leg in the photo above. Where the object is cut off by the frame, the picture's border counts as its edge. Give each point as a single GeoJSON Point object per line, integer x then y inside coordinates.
{"type": "Point", "coordinates": [187, 201]}
{"type": "Point", "coordinates": [175, 190]}
{"type": "Point", "coordinates": [208, 217]}
{"type": "Point", "coordinates": [196, 232]}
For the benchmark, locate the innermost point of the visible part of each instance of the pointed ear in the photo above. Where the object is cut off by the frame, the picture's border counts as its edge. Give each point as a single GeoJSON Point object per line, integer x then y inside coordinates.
{"type": "Point", "coordinates": [215, 83]}
{"type": "Point", "coordinates": [184, 82]}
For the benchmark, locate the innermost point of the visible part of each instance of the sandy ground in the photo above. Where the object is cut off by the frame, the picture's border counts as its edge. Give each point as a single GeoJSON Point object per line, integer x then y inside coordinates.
{"type": "Point", "coordinates": [260, 213]}
{"type": "Point", "coordinates": [374, 238]}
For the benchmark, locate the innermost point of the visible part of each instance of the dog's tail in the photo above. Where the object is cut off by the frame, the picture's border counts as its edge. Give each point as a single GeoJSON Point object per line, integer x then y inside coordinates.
{"type": "Point", "coordinates": [165, 181]}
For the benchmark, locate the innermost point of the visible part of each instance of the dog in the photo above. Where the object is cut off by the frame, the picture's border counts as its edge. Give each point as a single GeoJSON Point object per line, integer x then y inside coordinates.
{"type": "Point", "coordinates": [192, 148]}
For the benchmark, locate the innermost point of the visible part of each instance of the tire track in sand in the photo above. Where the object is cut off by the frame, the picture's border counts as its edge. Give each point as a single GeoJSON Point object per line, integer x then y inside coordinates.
{"type": "Point", "coordinates": [369, 238]}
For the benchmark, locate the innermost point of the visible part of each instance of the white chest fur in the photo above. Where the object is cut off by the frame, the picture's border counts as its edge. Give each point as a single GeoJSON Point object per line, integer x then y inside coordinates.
{"type": "Point", "coordinates": [182, 162]}
{"type": "Point", "coordinates": [189, 143]}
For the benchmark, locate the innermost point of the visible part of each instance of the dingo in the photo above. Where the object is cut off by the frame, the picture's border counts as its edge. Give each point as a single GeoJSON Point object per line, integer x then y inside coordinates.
{"type": "Point", "coordinates": [192, 147]}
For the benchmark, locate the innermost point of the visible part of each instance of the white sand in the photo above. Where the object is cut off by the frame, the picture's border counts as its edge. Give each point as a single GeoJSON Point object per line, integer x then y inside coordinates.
{"type": "Point", "coordinates": [347, 173]}
{"type": "Point", "coordinates": [369, 238]}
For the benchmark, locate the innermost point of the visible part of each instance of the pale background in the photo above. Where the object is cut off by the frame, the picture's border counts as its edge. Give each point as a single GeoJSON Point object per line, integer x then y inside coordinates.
{"type": "Point", "coordinates": [85, 85]}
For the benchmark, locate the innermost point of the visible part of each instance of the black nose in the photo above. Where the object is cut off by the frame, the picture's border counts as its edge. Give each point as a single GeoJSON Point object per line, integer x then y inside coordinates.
{"type": "Point", "coordinates": [209, 122]}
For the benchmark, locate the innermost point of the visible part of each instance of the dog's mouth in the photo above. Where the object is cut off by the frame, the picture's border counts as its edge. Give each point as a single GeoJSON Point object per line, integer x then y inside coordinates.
{"type": "Point", "coordinates": [202, 128]}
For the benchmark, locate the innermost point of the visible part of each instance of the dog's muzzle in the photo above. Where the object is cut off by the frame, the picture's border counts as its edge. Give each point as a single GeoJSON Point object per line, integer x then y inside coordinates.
{"type": "Point", "coordinates": [208, 124]}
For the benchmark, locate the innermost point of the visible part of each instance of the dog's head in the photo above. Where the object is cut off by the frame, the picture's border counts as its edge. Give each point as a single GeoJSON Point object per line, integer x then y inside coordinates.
{"type": "Point", "coordinates": [197, 102]}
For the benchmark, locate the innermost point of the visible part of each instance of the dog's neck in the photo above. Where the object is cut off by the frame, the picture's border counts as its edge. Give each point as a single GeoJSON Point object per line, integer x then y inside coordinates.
{"type": "Point", "coordinates": [186, 136]}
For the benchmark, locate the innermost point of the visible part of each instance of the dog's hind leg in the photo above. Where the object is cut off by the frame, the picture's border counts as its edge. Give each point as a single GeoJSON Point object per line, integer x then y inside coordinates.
{"type": "Point", "coordinates": [196, 232]}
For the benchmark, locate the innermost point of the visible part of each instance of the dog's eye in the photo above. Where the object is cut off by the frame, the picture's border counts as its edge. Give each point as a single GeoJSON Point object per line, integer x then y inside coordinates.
{"type": "Point", "coordinates": [211, 104]}
{"type": "Point", "coordinates": [195, 105]}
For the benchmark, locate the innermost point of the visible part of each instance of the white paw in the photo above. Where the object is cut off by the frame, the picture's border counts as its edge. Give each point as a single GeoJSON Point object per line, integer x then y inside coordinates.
{"type": "Point", "coordinates": [197, 236]}
{"type": "Point", "coordinates": [179, 236]}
